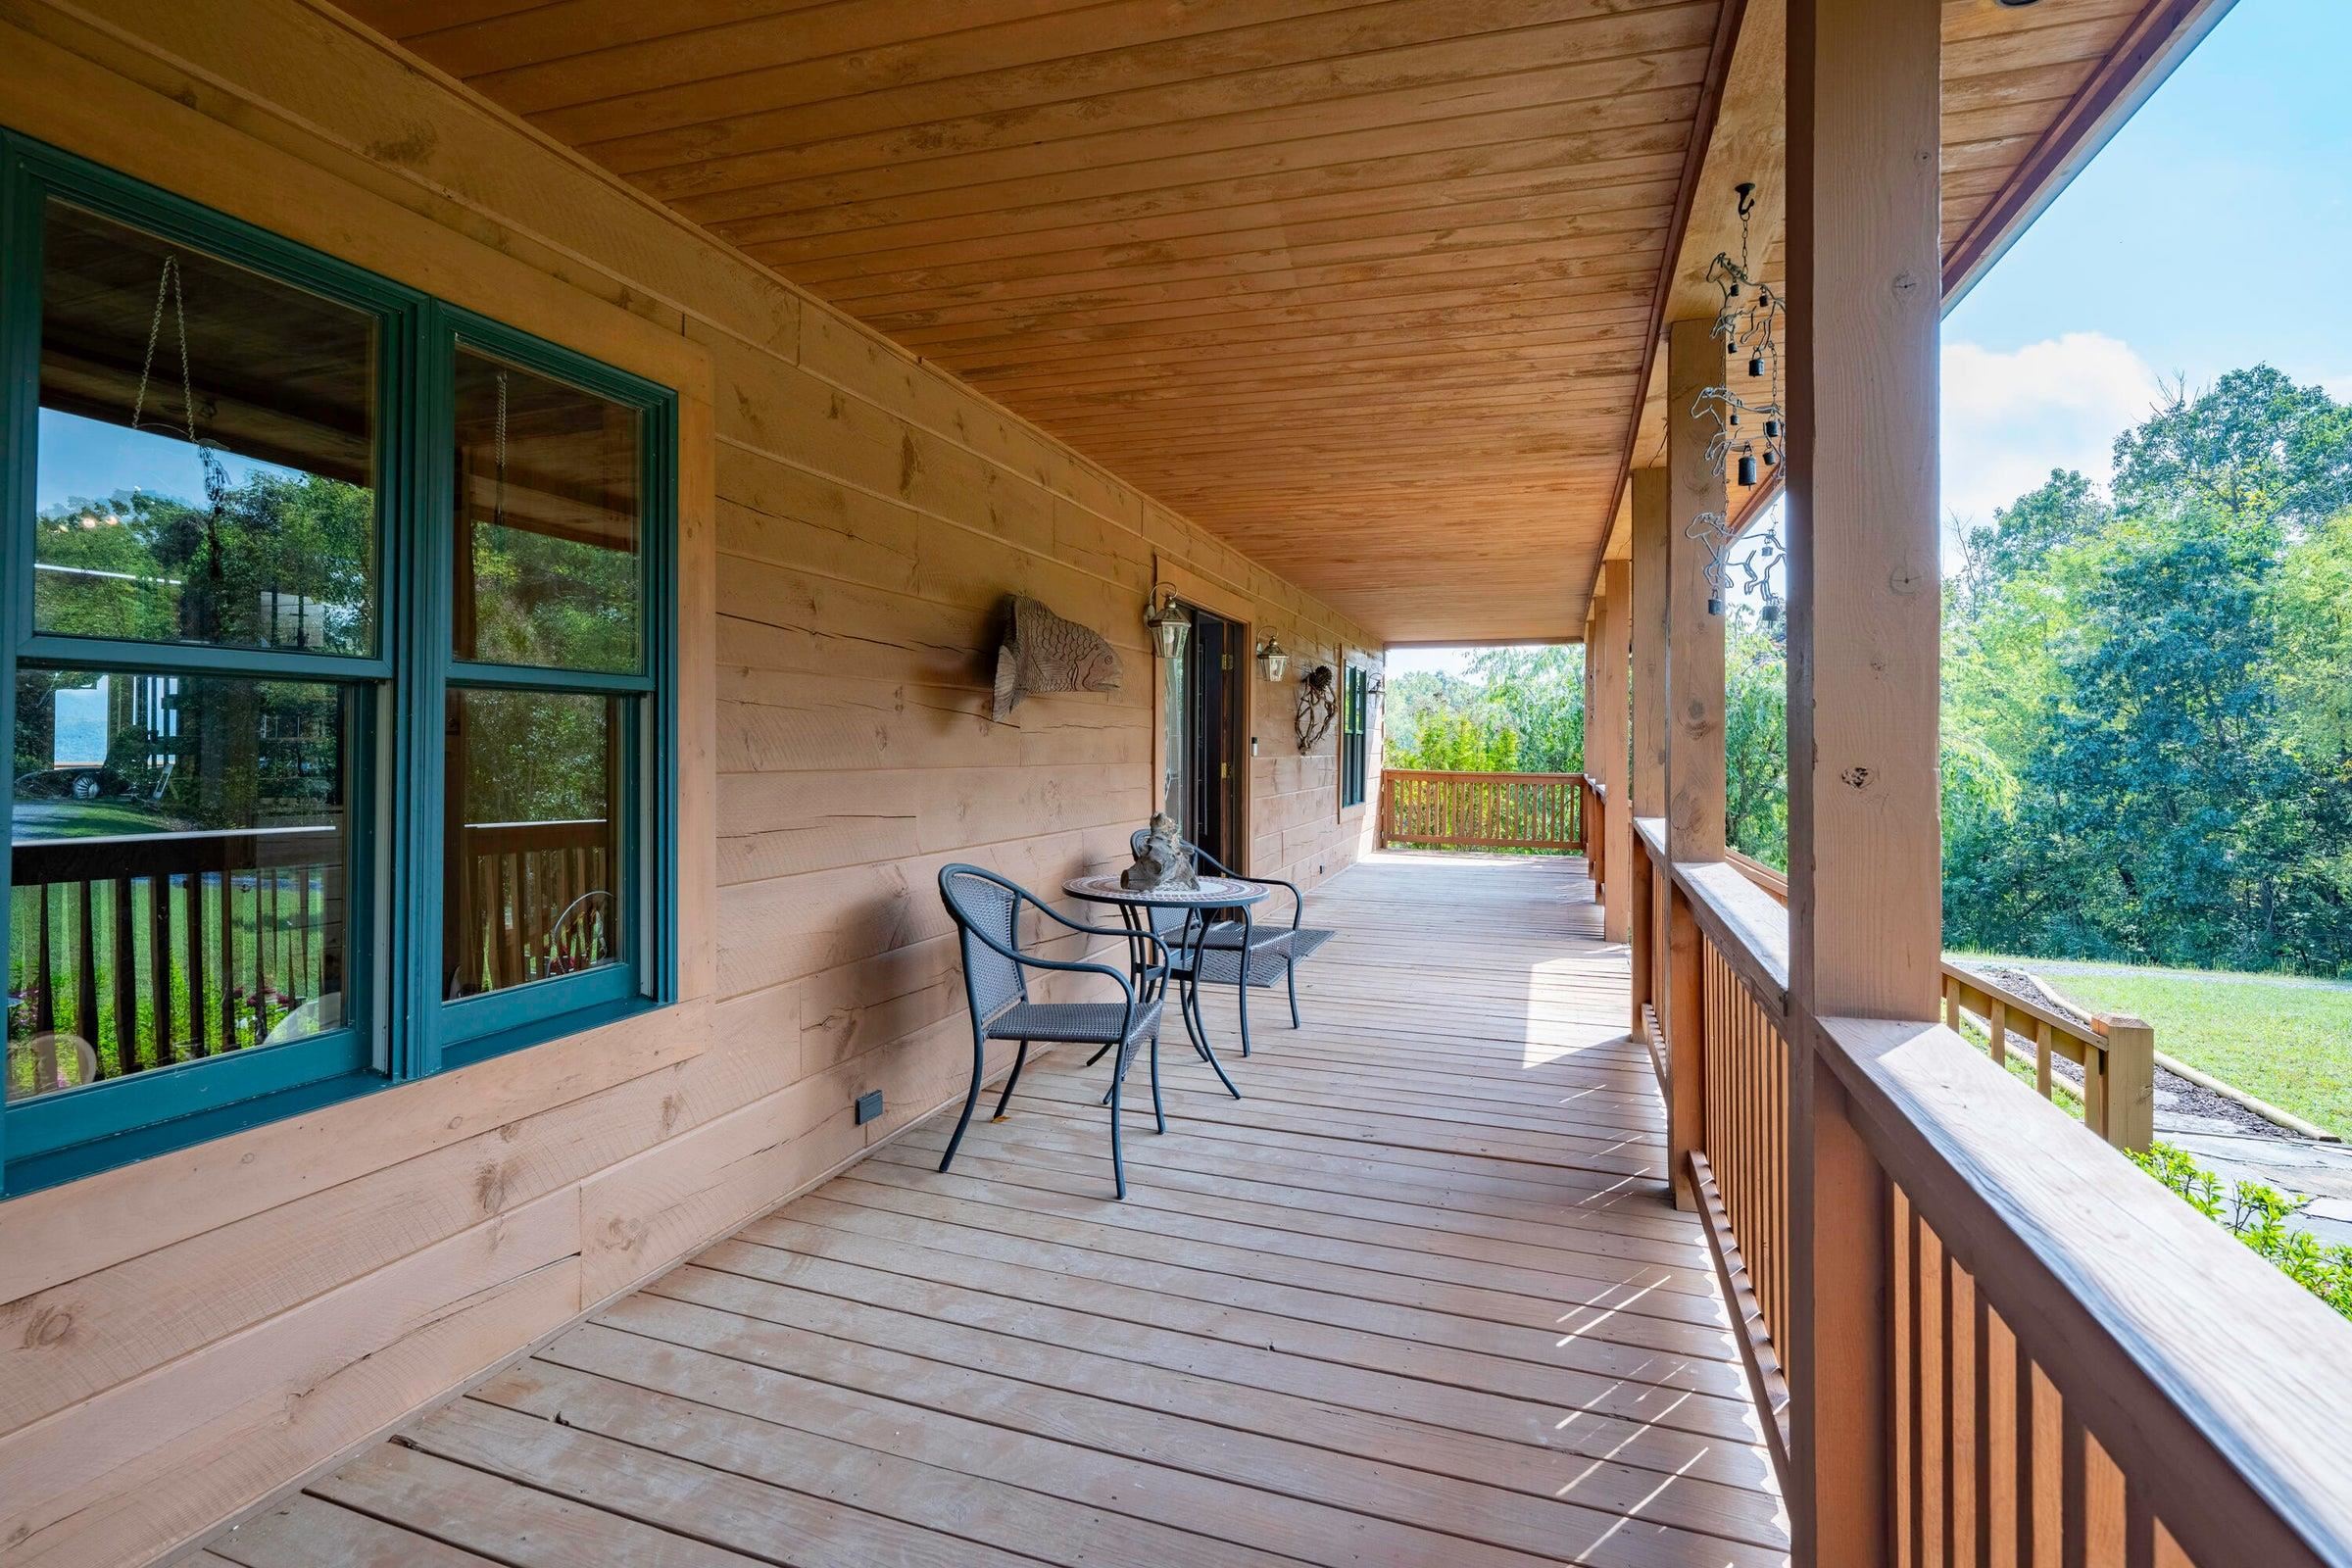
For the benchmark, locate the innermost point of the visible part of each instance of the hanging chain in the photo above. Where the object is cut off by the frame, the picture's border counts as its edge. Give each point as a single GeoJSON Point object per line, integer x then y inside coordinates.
{"type": "Point", "coordinates": [215, 474]}
{"type": "Point", "coordinates": [498, 498]}
{"type": "Point", "coordinates": [167, 286]}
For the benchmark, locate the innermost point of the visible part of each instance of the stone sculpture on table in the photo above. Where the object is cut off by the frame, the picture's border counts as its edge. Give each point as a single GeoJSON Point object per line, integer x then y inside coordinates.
{"type": "Point", "coordinates": [1162, 862]}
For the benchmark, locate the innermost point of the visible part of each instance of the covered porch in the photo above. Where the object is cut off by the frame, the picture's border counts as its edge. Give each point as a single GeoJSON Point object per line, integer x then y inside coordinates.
{"type": "Point", "coordinates": [1607, 1209]}
{"type": "Point", "coordinates": [1417, 1299]}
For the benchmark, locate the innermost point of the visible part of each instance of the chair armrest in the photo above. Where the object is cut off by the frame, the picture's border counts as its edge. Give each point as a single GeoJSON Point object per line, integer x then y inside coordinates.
{"type": "Point", "coordinates": [1128, 932]}
{"type": "Point", "coordinates": [1297, 901]}
{"type": "Point", "coordinates": [1067, 967]}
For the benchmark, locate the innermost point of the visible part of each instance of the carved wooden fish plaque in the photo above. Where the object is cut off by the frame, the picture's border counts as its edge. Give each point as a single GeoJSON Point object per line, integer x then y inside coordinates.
{"type": "Point", "coordinates": [1044, 653]}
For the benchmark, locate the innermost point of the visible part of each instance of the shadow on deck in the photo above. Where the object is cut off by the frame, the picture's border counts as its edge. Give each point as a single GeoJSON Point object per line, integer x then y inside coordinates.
{"type": "Point", "coordinates": [1417, 1300]}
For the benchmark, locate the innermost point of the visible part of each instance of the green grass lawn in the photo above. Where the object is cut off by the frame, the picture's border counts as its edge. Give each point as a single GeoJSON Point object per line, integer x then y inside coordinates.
{"type": "Point", "coordinates": [2287, 1043]}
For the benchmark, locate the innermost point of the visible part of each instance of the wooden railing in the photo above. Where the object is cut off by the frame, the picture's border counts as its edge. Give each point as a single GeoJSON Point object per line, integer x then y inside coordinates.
{"type": "Point", "coordinates": [2116, 1052]}
{"type": "Point", "coordinates": [1712, 999]}
{"type": "Point", "coordinates": [534, 900]}
{"type": "Point", "coordinates": [1482, 811]}
{"type": "Point", "coordinates": [1592, 823]}
{"type": "Point", "coordinates": [134, 952]}
{"type": "Point", "coordinates": [138, 951]}
{"type": "Point", "coordinates": [2031, 1353]}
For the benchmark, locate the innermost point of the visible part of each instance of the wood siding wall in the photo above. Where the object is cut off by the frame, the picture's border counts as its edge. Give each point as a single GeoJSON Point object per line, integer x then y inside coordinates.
{"type": "Point", "coordinates": [183, 1336]}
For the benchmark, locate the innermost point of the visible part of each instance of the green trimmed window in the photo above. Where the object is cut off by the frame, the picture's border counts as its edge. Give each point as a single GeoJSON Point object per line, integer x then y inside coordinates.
{"type": "Point", "coordinates": [1356, 718]}
{"type": "Point", "coordinates": [339, 624]}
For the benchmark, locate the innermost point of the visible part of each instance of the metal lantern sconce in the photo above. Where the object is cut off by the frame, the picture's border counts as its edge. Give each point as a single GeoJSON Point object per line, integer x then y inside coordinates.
{"type": "Point", "coordinates": [1273, 659]}
{"type": "Point", "coordinates": [1165, 622]}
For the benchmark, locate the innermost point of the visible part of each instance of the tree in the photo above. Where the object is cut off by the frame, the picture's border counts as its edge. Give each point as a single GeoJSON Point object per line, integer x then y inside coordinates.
{"type": "Point", "coordinates": [1520, 709]}
{"type": "Point", "coordinates": [1755, 740]}
{"type": "Point", "coordinates": [2254, 448]}
{"type": "Point", "coordinates": [2146, 711]}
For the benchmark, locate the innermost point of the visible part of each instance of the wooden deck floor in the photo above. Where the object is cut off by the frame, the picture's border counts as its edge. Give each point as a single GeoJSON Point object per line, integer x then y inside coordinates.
{"type": "Point", "coordinates": [1417, 1300]}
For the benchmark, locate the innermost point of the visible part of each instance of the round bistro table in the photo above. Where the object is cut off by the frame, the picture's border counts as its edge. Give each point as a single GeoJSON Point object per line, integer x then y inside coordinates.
{"type": "Point", "coordinates": [1199, 903]}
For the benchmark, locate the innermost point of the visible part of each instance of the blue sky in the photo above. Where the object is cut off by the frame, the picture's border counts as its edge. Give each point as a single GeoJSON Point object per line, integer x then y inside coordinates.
{"type": "Point", "coordinates": [2207, 235]}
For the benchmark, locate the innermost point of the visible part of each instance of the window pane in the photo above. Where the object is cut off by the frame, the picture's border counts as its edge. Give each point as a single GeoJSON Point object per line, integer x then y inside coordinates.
{"type": "Point", "coordinates": [207, 450]}
{"type": "Point", "coordinates": [180, 852]}
{"type": "Point", "coordinates": [532, 849]}
{"type": "Point", "coordinates": [548, 479]}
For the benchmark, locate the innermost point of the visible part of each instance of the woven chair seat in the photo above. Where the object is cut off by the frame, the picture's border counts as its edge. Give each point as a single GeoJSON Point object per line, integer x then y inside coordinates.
{"type": "Point", "coordinates": [1081, 1023]}
{"type": "Point", "coordinates": [1268, 960]}
{"type": "Point", "coordinates": [1228, 934]}
{"type": "Point", "coordinates": [1279, 940]}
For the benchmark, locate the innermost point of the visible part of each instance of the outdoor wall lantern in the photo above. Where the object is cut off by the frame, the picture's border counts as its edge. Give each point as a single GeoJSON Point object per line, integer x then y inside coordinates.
{"type": "Point", "coordinates": [1165, 622]}
{"type": "Point", "coordinates": [1273, 659]}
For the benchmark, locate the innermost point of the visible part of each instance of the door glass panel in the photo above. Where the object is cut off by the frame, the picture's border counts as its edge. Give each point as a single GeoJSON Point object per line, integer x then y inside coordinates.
{"type": "Point", "coordinates": [1176, 736]}
{"type": "Point", "coordinates": [530, 843]}
{"type": "Point", "coordinates": [180, 851]}
{"type": "Point", "coordinates": [206, 456]}
{"type": "Point", "coordinates": [548, 496]}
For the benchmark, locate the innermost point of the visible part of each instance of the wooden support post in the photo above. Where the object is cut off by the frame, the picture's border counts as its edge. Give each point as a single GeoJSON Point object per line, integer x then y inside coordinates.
{"type": "Point", "coordinates": [1694, 736]}
{"type": "Point", "coordinates": [1685, 1048]}
{"type": "Point", "coordinates": [1694, 721]}
{"type": "Point", "coordinates": [1650, 526]}
{"type": "Point", "coordinates": [1865, 273]}
{"type": "Point", "coordinates": [1585, 822]}
{"type": "Point", "coordinates": [1606, 741]}
{"type": "Point", "coordinates": [2131, 1099]}
{"type": "Point", "coordinates": [1646, 792]}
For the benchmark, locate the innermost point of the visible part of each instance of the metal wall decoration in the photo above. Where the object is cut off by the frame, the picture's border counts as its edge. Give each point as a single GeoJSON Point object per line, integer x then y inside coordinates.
{"type": "Point", "coordinates": [1751, 430]}
{"type": "Point", "coordinates": [1044, 653]}
{"type": "Point", "coordinates": [1318, 707]}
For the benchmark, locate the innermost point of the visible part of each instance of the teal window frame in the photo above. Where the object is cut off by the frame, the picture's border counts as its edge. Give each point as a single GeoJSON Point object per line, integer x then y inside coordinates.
{"type": "Point", "coordinates": [1355, 715]}
{"type": "Point", "coordinates": [399, 1028]}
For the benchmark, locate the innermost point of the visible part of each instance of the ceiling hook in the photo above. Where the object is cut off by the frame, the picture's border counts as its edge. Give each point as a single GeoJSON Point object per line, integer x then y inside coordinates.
{"type": "Point", "coordinates": [1746, 192]}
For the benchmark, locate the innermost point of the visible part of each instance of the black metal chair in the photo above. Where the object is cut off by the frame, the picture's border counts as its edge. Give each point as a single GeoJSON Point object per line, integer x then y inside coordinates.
{"type": "Point", "coordinates": [986, 909]}
{"type": "Point", "coordinates": [1230, 953]}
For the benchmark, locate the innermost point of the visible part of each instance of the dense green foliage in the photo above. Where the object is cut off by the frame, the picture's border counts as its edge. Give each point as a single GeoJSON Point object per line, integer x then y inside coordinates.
{"type": "Point", "coordinates": [283, 560]}
{"type": "Point", "coordinates": [1519, 710]}
{"type": "Point", "coordinates": [1755, 740]}
{"type": "Point", "coordinates": [2150, 698]}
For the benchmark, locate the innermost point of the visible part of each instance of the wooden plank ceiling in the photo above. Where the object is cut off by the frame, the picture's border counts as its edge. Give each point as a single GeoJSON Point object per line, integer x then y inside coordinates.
{"type": "Point", "coordinates": [1363, 285]}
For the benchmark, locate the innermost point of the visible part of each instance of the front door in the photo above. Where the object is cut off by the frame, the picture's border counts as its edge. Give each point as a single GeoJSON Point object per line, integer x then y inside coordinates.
{"type": "Point", "coordinates": [1203, 720]}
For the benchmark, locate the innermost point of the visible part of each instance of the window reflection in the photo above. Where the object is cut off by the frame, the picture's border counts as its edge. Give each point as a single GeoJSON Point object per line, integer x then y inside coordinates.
{"type": "Point", "coordinates": [548, 493]}
{"type": "Point", "coordinates": [1173, 796]}
{"type": "Point", "coordinates": [531, 845]}
{"type": "Point", "coordinates": [181, 854]}
{"type": "Point", "coordinates": [206, 450]}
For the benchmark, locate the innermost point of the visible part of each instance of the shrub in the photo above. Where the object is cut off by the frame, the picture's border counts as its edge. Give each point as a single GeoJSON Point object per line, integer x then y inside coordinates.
{"type": "Point", "coordinates": [2258, 1216]}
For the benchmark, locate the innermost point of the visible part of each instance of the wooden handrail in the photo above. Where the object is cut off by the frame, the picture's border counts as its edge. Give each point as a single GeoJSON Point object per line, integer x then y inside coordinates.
{"type": "Point", "coordinates": [2193, 1364]}
{"type": "Point", "coordinates": [1535, 778]}
{"type": "Point", "coordinates": [1437, 809]}
{"type": "Point", "coordinates": [2073, 1351]}
{"type": "Point", "coordinates": [2117, 1052]}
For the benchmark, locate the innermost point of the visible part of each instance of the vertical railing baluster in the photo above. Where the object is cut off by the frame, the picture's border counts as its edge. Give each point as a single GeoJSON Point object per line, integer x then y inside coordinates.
{"type": "Point", "coordinates": [229, 955]}
{"type": "Point", "coordinates": [86, 988]}
{"type": "Point", "coordinates": [159, 963]}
